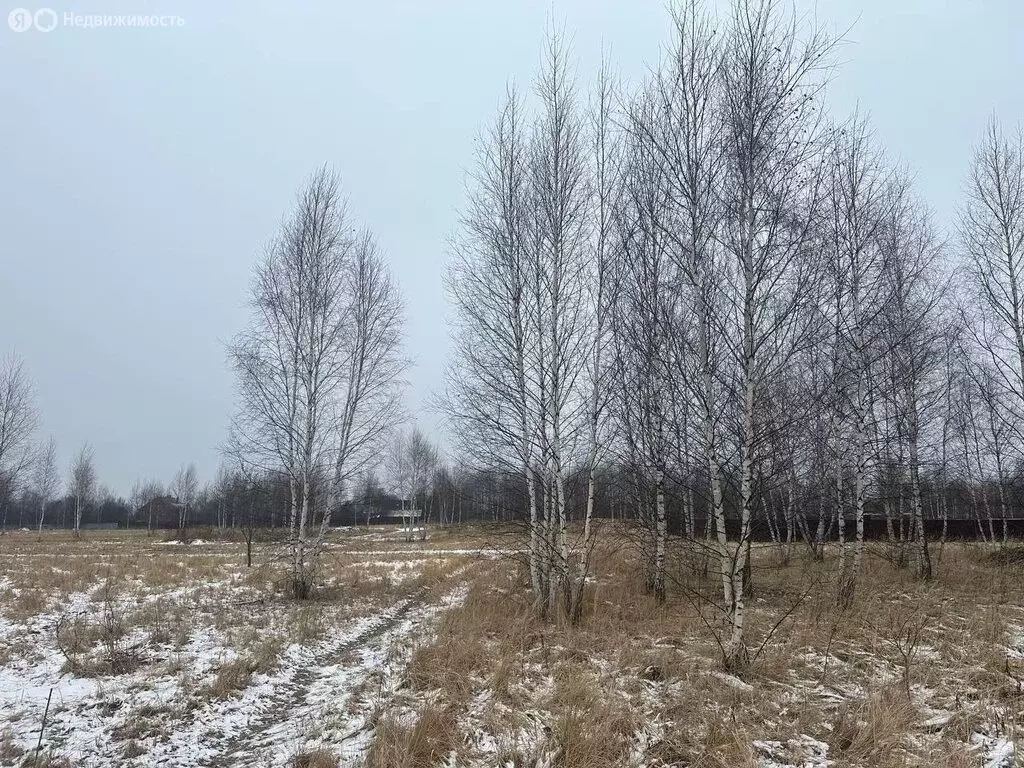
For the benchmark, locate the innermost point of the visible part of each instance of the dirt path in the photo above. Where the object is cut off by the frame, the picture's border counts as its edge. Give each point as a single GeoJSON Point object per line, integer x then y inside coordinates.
{"type": "Point", "coordinates": [290, 701]}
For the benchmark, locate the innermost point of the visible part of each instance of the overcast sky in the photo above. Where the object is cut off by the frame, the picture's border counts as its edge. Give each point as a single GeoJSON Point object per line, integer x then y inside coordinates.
{"type": "Point", "coordinates": [142, 169]}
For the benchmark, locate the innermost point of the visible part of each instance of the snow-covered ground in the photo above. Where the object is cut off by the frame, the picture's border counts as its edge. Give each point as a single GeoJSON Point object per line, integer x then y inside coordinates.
{"type": "Point", "coordinates": [308, 676]}
{"type": "Point", "coordinates": [160, 654]}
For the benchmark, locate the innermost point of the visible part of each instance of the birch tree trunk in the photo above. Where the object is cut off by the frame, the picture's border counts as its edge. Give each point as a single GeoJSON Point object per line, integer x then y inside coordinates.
{"type": "Point", "coordinates": [771, 194]}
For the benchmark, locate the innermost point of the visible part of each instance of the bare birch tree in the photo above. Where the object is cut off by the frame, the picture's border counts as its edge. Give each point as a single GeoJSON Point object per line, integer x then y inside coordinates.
{"type": "Point", "coordinates": [862, 196]}
{"type": "Point", "coordinates": [558, 273]}
{"type": "Point", "coordinates": [371, 377]}
{"type": "Point", "coordinates": [490, 393]}
{"type": "Point", "coordinates": [411, 464]}
{"type": "Point", "coordinates": [45, 478]}
{"type": "Point", "coordinates": [918, 333]}
{"type": "Point", "coordinates": [319, 370]}
{"type": "Point", "coordinates": [992, 235]}
{"type": "Point", "coordinates": [424, 457]}
{"type": "Point", "coordinates": [520, 283]}
{"type": "Point", "coordinates": [772, 193]}
{"type": "Point", "coordinates": [688, 142]}
{"type": "Point", "coordinates": [602, 287]}
{"type": "Point", "coordinates": [185, 486]}
{"type": "Point", "coordinates": [402, 480]}
{"type": "Point", "coordinates": [82, 486]}
{"type": "Point", "coordinates": [645, 327]}
{"type": "Point", "coordinates": [18, 418]}
{"type": "Point", "coordinates": [682, 125]}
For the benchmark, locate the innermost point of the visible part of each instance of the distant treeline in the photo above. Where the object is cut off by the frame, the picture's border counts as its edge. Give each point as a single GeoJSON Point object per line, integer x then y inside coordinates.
{"type": "Point", "coordinates": [456, 496]}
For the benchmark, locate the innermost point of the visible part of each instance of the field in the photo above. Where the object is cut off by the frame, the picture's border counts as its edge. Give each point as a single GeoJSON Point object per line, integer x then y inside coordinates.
{"type": "Point", "coordinates": [427, 653]}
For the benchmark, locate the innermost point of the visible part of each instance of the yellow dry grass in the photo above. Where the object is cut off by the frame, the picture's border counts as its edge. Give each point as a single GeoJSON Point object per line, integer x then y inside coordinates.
{"type": "Point", "coordinates": [906, 675]}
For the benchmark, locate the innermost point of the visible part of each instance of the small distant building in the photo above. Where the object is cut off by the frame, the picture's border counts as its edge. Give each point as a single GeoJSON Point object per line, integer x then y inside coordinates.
{"type": "Point", "coordinates": [401, 515]}
{"type": "Point", "coordinates": [163, 509]}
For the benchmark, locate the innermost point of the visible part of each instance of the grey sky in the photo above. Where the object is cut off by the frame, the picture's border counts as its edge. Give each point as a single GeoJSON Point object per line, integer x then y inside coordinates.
{"type": "Point", "coordinates": [142, 169]}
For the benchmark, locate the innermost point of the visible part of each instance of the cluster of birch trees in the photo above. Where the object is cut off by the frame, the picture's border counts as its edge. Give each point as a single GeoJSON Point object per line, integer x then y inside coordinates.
{"type": "Point", "coordinates": [319, 369]}
{"type": "Point", "coordinates": [711, 282]}
{"type": "Point", "coordinates": [531, 284]}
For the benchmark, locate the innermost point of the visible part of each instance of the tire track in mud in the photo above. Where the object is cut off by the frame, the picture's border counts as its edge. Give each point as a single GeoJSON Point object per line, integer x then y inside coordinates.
{"type": "Point", "coordinates": [248, 747]}
{"type": "Point", "coordinates": [239, 749]}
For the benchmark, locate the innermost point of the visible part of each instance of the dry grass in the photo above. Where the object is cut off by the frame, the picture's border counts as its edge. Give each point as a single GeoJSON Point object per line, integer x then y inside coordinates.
{"type": "Point", "coordinates": [908, 674]}
{"type": "Point", "coordinates": [320, 758]}
{"type": "Point", "coordinates": [874, 730]}
{"type": "Point", "coordinates": [260, 657]}
{"type": "Point", "coordinates": [592, 726]}
{"type": "Point", "coordinates": [423, 743]}
{"type": "Point", "coordinates": [9, 749]}
{"type": "Point", "coordinates": [129, 612]}
{"type": "Point", "coordinates": [233, 677]}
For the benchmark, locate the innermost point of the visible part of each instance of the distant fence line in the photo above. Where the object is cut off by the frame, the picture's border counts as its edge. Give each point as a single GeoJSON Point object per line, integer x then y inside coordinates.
{"type": "Point", "coordinates": [875, 528]}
